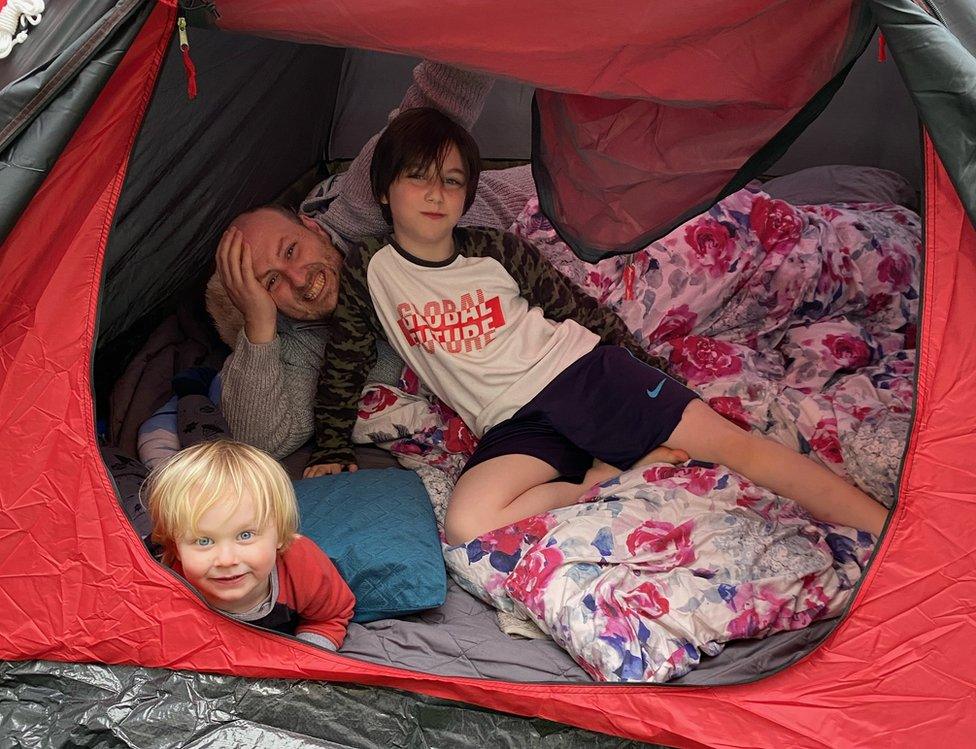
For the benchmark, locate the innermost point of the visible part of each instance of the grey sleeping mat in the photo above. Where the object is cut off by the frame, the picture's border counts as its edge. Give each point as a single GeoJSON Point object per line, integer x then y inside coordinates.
{"type": "Point", "coordinates": [462, 638]}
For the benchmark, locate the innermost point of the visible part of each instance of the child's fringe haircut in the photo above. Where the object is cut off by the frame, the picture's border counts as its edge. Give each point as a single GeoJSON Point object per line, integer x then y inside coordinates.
{"type": "Point", "coordinates": [416, 139]}
{"type": "Point", "coordinates": [187, 485]}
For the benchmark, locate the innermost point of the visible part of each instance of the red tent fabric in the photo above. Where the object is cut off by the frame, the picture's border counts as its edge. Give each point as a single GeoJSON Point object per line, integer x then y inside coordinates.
{"type": "Point", "coordinates": [644, 120]}
{"type": "Point", "coordinates": [77, 585]}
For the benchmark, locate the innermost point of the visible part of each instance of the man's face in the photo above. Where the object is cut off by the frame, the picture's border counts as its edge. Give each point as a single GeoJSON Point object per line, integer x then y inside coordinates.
{"type": "Point", "coordinates": [298, 266]}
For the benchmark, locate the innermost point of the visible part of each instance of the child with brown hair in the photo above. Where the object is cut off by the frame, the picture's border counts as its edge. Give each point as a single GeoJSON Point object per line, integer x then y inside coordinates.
{"type": "Point", "coordinates": [560, 393]}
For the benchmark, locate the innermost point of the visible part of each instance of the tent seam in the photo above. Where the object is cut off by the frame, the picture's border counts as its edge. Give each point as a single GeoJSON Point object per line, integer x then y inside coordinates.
{"type": "Point", "coordinates": [95, 282]}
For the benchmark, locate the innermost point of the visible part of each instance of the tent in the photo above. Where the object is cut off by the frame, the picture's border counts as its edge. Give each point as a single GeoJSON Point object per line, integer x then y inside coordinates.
{"type": "Point", "coordinates": [652, 115]}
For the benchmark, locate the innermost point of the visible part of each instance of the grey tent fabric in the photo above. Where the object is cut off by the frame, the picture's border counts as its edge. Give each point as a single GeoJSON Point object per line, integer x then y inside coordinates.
{"type": "Point", "coordinates": [502, 131]}
{"type": "Point", "coordinates": [462, 638]}
{"type": "Point", "coordinates": [260, 121]}
{"type": "Point", "coordinates": [40, 110]}
{"type": "Point", "coordinates": [936, 55]}
{"type": "Point", "coordinates": [871, 121]}
{"type": "Point", "coordinates": [63, 26]}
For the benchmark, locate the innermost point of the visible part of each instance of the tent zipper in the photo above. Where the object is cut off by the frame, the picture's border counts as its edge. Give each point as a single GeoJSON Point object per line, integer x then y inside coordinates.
{"type": "Point", "coordinates": [931, 10]}
{"type": "Point", "coordinates": [188, 66]}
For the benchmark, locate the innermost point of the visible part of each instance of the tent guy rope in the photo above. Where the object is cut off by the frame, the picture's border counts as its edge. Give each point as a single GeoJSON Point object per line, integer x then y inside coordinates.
{"type": "Point", "coordinates": [17, 13]}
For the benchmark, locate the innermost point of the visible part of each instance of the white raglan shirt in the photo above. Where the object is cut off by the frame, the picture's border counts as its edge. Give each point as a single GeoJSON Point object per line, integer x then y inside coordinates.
{"type": "Point", "coordinates": [464, 328]}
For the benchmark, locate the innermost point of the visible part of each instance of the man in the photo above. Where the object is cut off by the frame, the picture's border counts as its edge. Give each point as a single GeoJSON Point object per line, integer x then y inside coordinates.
{"type": "Point", "coordinates": [277, 275]}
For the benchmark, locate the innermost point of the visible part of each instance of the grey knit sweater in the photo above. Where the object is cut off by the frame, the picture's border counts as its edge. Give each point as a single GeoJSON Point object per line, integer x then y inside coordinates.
{"type": "Point", "coordinates": [269, 389]}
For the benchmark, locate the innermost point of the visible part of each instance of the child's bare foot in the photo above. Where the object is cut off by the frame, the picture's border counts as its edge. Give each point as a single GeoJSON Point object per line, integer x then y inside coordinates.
{"type": "Point", "coordinates": [663, 455]}
{"type": "Point", "coordinates": [601, 471]}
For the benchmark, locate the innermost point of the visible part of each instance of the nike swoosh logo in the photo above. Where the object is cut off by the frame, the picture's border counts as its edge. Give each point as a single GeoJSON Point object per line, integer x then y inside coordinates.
{"type": "Point", "coordinates": [656, 391]}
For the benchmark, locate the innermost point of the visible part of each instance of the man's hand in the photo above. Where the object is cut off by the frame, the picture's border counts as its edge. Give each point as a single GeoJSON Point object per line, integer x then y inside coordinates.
{"type": "Point", "coordinates": [245, 291]}
{"type": "Point", "coordinates": [327, 469]}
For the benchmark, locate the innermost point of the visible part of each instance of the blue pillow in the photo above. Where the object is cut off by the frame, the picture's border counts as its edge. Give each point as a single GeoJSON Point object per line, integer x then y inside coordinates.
{"type": "Point", "coordinates": [378, 528]}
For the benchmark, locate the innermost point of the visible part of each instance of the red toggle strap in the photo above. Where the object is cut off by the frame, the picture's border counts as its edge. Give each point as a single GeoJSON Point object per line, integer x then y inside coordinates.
{"type": "Point", "coordinates": [630, 273]}
{"type": "Point", "coordinates": [191, 73]}
{"type": "Point", "coordinates": [882, 48]}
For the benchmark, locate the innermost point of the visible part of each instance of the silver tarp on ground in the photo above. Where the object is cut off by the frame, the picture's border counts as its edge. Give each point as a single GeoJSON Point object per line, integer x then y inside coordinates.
{"type": "Point", "coordinates": [45, 704]}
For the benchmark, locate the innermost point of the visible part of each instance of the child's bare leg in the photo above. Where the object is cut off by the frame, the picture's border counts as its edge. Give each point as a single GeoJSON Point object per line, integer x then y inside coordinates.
{"type": "Point", "coordinates": [508, 488]}
{"type": "Point", "coordinates": [706, 436]}
{"type": "Point", "coordinates": [500, 491]}
{"type": "Point", "coordinates": [511, 487]}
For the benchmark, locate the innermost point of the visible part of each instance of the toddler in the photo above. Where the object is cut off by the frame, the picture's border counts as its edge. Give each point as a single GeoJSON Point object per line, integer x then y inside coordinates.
{"type": "Point", "coordinates": [226, 517]}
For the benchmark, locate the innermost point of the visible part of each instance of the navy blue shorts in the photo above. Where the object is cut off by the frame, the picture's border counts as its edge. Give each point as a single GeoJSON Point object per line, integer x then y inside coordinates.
{"type": "Point", "coordinates": [607, 405]}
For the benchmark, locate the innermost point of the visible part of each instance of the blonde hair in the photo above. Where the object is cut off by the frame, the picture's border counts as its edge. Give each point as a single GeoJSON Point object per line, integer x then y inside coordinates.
{"type": "Point", "coordinates": [227, 318]}
{"type": "Point", "coordinates": [183, 488]}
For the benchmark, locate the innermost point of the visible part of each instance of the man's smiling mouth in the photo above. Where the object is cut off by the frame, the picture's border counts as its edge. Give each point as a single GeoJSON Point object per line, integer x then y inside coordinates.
{"type": "Point", "coordinates": [315, 287]}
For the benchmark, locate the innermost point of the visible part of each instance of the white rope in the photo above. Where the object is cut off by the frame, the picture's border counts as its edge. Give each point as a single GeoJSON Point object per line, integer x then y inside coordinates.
{"type": "Point", "coordinates": [17, 14]}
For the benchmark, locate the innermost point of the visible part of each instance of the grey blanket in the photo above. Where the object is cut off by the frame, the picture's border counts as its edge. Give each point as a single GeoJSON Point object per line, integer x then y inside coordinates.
{"type": "Point", "coordinates": [462, 638]}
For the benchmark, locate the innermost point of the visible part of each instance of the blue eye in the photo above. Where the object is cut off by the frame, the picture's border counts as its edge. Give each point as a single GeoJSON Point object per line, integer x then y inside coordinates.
{"type": "Point", "coordinates": [204, 541]}
{"type": "Point", "coordinates": [246, 535]}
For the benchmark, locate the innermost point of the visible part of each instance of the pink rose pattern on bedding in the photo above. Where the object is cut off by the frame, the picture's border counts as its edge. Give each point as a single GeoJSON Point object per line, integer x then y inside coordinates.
{"type": "Point", "coordinates": [808, 333]}
{"type": "Point", "coordinates": [663, 565]}
{"type": "Point", "coordinates": [796, 321]}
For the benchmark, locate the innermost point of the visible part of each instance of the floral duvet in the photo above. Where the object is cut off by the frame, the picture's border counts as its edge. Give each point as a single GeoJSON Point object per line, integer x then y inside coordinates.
{"type": "Point", "coordinates": [795, 321]}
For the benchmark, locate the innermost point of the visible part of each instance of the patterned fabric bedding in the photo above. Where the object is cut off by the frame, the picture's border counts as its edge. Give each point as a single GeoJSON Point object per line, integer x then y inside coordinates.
{"type": "Point", "coordinates": [795, 321]}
